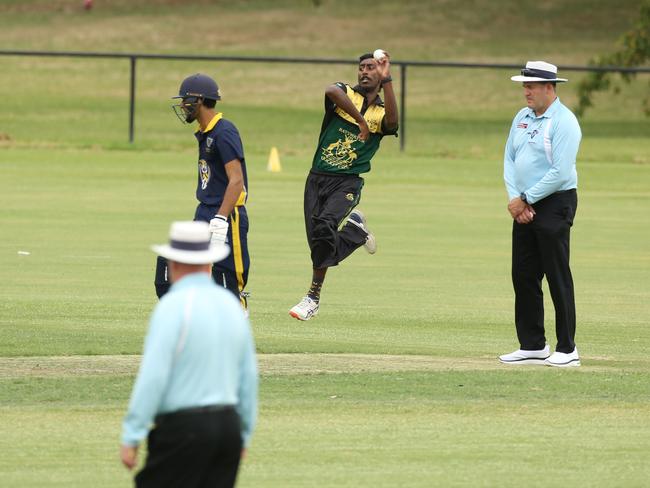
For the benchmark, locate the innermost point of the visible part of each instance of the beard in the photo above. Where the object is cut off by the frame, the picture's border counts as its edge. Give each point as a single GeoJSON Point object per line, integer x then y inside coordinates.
{"type": "Point", "coordinates": [191, 112]}
{"type": "Point", "coordinates": [368, 89]}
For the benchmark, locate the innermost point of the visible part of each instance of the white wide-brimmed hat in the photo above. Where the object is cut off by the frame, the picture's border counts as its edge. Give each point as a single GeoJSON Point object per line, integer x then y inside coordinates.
{"type": "Point", "coordinates": [538, 71]}
{"type": "Point", "coordinates": [189, 243]}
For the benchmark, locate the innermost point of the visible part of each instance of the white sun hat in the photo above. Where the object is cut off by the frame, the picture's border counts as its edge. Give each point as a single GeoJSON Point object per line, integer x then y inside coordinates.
{"type": "Point", "coordinates": [538, 71]}
{"type": "Point", "coordinates": [189, 243]}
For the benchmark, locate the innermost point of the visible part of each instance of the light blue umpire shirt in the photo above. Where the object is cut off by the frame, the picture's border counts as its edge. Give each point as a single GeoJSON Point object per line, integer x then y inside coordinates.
{"type": "Point", "coordinates": [540, 155]}
{"type": "Point", "coordinates": [199, 351]}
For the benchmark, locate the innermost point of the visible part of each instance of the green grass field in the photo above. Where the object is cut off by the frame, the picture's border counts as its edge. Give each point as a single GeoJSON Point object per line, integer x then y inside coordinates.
{"type": "Point", "coordinates": [396, 382]}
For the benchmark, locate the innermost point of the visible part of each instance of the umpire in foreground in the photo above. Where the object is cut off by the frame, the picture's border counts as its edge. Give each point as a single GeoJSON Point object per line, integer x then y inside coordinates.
{"type": "Point", "coordinates": [197, 383]}
{"type": "Point", "coordinates": [541, 180]}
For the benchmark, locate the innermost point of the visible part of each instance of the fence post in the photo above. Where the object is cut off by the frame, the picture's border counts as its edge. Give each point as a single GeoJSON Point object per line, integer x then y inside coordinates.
{"type": "Point", "coordinates": [402, 108]}
{"type": "Point", "coordinates": [132, 100]}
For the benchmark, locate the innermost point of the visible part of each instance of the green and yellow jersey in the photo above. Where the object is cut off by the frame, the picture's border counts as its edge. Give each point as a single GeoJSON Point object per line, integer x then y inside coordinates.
{"type": "Point", "coordinates": [339, 148]}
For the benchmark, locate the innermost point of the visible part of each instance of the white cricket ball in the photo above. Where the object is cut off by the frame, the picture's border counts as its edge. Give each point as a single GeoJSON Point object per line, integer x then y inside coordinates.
{"type": "Point", "coordinates": [379, 54]}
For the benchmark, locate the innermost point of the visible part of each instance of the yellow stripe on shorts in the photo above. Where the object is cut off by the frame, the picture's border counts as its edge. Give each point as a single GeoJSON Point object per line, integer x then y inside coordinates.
{"type": "Point", "coordinates": [237, 254]}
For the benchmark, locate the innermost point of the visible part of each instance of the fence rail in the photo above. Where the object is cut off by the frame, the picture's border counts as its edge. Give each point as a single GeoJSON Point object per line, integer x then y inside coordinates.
{"type": "Point", "coordinates": [133, 57]}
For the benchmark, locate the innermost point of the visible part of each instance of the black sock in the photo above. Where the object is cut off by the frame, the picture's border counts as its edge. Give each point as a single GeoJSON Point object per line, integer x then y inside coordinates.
{"type": "Point", "coordinates": [314, 290]}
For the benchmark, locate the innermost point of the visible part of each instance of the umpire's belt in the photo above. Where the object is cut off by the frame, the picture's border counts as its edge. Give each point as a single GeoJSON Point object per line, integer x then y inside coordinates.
{"type": "Point", "coordinates": [164, 417]}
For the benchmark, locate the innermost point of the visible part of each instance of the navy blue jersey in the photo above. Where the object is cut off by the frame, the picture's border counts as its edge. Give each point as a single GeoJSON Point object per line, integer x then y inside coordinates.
{"type": "Point", "coordinates": [218, 144]}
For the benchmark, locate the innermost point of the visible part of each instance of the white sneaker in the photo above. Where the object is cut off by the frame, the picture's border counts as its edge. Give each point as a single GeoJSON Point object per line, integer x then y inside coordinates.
{"type": "Point", "coordinates": [357, 218]}
{"type": "Point", "coordinates": [521, 356]}
{"type": "Point", "coordinates": [306, 309]}
{"type": "Point", "coordinates": [563, 359]}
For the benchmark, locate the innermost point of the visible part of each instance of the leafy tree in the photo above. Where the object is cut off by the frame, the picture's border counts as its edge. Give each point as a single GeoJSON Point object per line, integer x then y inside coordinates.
{"type": "Point", "coordinates": [635, 51]}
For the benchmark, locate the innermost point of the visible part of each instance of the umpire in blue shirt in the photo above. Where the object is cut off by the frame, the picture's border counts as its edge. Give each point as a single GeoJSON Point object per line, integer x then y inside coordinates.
{"type": "Point", "coordinates": [541, 181]}
{"type": "Point", "coordinates": [197, 382]}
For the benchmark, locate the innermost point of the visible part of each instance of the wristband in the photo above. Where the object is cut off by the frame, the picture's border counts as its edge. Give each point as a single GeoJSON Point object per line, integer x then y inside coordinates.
{"type": "Point", "coordinates": [388, 79]}
{"type": "Point", "coordinates": [523, 197]}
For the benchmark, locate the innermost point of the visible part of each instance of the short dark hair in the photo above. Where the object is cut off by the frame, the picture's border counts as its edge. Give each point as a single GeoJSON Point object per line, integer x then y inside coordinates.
{"type": "Point", "coordinates": [208, 102]}
{"type": "Point", "coordinates": [365, 56]}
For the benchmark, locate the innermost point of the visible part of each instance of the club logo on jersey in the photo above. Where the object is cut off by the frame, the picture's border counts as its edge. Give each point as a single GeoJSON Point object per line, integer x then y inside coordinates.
{"type": "Point", "coordinates": [204, 173]}
{"type": "Point", "coordinates": [208, 142]}
{"type": "Point", "coordinates": [340, 154]}
{"type": "Point", "coordinates": [349, 196]}
{"type": "Point", "coordinates": [373, 125]}
{"type": "Point", "coordinates": [533, 134]}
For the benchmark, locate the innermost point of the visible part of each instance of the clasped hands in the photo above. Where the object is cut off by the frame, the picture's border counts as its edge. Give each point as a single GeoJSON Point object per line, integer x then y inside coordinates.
{"type": "Point", "coordinates": [522, 212]}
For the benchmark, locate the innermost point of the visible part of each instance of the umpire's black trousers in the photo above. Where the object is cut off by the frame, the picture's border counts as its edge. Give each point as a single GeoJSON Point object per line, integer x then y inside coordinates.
{"type": "Point", "coordinates": [541, 248]}
{"type": "Point", "coordinates": [192, 449]}
{"type": "Point", "coordinates": [328, 201]}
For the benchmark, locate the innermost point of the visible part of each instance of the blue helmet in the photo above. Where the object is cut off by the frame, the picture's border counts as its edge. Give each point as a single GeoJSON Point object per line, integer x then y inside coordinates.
{"type": "Point", "coordinates": [193, 91]}
{"type": "Point", "coordinates": [199, 86]}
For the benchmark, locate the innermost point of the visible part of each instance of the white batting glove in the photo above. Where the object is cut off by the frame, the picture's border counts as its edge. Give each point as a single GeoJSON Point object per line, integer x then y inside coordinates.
{"type": "Point", "coordinates": [219, 229]}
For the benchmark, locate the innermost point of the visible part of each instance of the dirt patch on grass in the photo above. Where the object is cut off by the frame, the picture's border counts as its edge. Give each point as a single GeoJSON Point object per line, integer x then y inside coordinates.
{"type": "Point", "coordinates": [269, 364]}
{"type": "Point", "coordinates": [275, 364]}
{"type": "Point", "coordinates": [283, 364]}
{"type": "Point", "coordinates": [68, 366]}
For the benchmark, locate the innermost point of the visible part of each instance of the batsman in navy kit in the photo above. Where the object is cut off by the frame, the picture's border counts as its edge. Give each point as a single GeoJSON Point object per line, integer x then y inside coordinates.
{"type": "Point", "coordinates": [222, 186]}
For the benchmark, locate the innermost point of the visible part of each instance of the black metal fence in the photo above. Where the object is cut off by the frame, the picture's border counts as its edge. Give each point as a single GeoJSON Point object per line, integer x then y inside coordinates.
{"type": "Point", "coordinates": [403, 65]}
